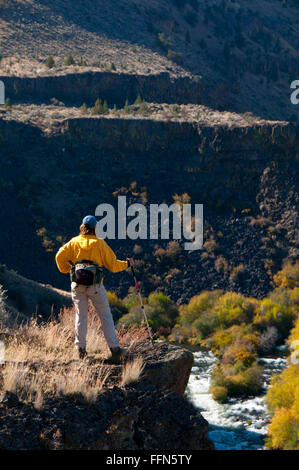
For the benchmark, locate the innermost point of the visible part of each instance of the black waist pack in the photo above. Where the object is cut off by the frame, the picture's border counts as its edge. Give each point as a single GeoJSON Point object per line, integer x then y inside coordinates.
{"type": "Point", "coordinates": [86, 272]}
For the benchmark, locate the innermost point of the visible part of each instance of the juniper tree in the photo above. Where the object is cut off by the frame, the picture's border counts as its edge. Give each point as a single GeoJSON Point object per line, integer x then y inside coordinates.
{"type": "Point", "coordinates": [69, 60]}
{"type": "Point", "coordinates": [50, 63]}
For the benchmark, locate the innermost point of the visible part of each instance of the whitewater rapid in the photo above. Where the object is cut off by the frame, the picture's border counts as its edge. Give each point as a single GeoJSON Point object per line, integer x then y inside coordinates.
{"type": "Point", "coordinates": [240, 424]}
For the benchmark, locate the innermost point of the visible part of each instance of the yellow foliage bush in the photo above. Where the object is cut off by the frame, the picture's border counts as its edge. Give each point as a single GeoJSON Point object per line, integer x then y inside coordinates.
{"type": "Point", "coordinates": [198, 305]}
{"type": "Point", "coordinates": [244, 357]}
{"type": "Point", "coordinates": [281, 394]}
{"type": "Point", "coordinates": [221, 339]}
{"type": "Point", "coordinates": [114, 300]}
{"type": "Point", "coordinates": [233, 308]}
{"type": "Point", "coordinates": [284, 430]}
{"type": "Point", "coordinates": [288, 276]}
{"type": "Point", "coordinates": [238, 383]}
{"type": "Point", "coordinates": [283, 402]}
{"type": "Point", "coordinates": [278, 313]}
{"type": "Point", "coordinates": [219, 394]}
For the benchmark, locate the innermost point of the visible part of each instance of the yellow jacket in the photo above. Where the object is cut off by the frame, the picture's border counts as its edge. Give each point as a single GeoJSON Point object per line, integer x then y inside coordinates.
{"type": "Point", "coordinates": [88, 247]}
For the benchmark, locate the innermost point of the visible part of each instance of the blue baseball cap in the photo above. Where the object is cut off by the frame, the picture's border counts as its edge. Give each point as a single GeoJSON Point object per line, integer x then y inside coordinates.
{"type": "Point", "coordinates": [90, 220]}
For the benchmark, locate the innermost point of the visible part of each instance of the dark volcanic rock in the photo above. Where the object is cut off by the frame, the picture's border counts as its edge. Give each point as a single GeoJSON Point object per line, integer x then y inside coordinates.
{"type": "Point", "coordinates": [171, 371]}
{"type": "Point", "coordinates": [137, 418]}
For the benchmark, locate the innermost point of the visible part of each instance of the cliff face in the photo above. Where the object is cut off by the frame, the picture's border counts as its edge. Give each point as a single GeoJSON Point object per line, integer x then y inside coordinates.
{"type": "Point", "coordinates": [212, 163]}
{"type": "Point", "coordinates": [76, 88]}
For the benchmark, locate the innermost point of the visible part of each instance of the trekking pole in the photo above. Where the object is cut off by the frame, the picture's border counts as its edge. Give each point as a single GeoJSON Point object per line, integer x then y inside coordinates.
{"type": "Point", "coordinates": [141, 303]}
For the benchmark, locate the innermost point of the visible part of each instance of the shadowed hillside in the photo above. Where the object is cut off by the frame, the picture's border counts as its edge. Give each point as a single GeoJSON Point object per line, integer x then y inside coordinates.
{"type": "Point", "coordinates": [245, 53]}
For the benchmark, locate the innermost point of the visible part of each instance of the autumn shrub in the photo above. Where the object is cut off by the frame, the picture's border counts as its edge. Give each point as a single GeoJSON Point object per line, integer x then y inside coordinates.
{"type": "Point", "coordinates": [196, 319]}
{"type": "Point", "coordinates": [239, 357]}
{"type": "Point", "coordinates": [238, 382]}
{"type": "Point", "coordinates": [174, 55]}
{"type": "Point", "coordinates": [279, 314]}
{"type": "Point", "coordinates": [219, 393]}
{"type": "Point", "coordinates": [281, 393]}
{"type": "Point", "coordinates": [233, 308]}
{"type": "Point", "coordinates": [198, 305]}
{"type": "Point", "coordinates": [221, 265]}
{"type": "Point", "coordinates": [238, 337]}
{"type": "Point", "coordinates": [118, 308]}
{"type": "Point", "coordinates": [172, 273]}
{"type": "Point", "coordinates": [237, 272]}
{"type": "Point", "coordinates": [164, 41]}
{"type": "Point", "coordinates": [133, 318]}
{"type": "Point", "coordinates": [283, 401]}
{"type": "Point", "coordinates": [212, 311]}
{"type": "Point", "coordinates": [288, 276]}
{"type": "Point", "coordinates": [237, 369]}
{"type": "Point", "coordinates": [211, 247]}
{"type": "Point", "coordinates": [284, 430]}
{"type": "Point", "coordinates": [261, 222]}
{"type": "Point", "coordinates": [219, 341]}
{"type": "Point", "coordinates": [182, 334]}
{"type": "Point", "coordinates": [204, 325]}
{"type": "Point", "coordinates": [131, 298]}
{"type": "Point", "coordinates": [248, 381]}
{"type": "Point", "coordinates": [160, 310]}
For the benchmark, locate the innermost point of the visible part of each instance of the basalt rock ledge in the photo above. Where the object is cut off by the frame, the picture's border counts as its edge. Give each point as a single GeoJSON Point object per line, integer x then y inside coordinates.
{"type": "Point", "coordinates": [150, 414]}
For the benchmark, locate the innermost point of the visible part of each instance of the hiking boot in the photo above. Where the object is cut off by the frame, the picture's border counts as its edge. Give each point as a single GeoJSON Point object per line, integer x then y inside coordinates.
{"type": "Point", "coordinates": [116, 354]}
{"type": "Point", "coordinates": [82, 353]}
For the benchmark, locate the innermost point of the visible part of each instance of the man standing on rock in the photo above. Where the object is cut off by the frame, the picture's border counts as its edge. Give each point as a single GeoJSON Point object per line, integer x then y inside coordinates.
{"type": "Point", "coordinates": [82, 257]}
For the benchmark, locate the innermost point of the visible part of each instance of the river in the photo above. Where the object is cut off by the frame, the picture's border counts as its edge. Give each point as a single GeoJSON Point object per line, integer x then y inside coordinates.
{"type": "Point", "coordinates": [240, 424]}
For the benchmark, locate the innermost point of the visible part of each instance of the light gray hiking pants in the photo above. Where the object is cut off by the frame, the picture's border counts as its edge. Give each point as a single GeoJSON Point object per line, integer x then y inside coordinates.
{"type": "Point", "coordinates": [98, 296]}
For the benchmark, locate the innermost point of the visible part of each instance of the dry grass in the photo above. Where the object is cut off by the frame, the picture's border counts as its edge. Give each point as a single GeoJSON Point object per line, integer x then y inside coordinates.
{"type": "Point", "coordinates": [48, 117]}
{"type": "Point", "coordinates": [54, 340]}
{"type": "Point", "coordinates": [131, 338]}
{"type": "Point", "coordinates": [132, 371]}
{"type": "Point", "coordinates": [32, 386]}
{"type": "Point", "coordinates": [40, 359]}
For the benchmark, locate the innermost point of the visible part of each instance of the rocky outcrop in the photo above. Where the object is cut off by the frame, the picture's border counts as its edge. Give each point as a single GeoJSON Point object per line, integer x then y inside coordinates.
{"type": "Point", "coordinates": [171, 371]}
{"type": "Point", "coordinates": [150, 414]}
